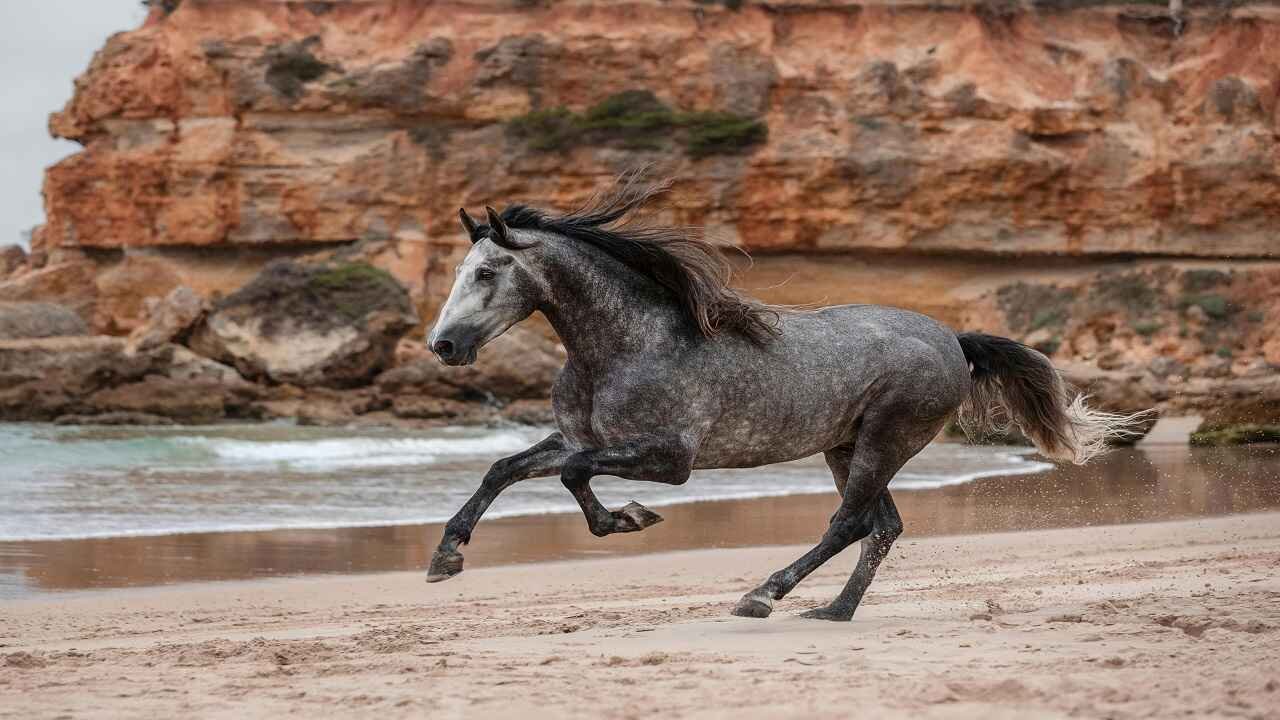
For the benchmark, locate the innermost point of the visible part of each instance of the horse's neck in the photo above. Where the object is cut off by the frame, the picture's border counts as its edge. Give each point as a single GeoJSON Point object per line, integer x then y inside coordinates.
{"type": "Point", "coordinates": [603, 311]}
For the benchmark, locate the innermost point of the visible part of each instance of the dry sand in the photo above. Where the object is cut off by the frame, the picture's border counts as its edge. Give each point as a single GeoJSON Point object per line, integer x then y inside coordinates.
{"type": "Point", "coordinates": [1159, 620]}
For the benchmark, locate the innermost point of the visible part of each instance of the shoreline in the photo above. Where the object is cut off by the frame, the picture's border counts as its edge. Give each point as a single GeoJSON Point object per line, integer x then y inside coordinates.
{"type": "Point", "coordinates": [1045, 623]}
{"type": "Point", "coordinates": [1145, 486]}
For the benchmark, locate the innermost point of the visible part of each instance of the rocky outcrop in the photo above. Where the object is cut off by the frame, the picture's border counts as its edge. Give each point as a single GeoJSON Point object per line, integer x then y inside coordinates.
{"type": "Point", "coordinates": [990, 127]}
{"type": "Point", "coordinates": [333, 324]}
{"type": "Point", "coordinates": [36, 320]}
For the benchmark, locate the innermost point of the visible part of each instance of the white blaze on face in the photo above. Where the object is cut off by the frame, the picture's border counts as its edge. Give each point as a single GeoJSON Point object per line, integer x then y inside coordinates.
{"type": "Point", "coordinates": [466, 298]}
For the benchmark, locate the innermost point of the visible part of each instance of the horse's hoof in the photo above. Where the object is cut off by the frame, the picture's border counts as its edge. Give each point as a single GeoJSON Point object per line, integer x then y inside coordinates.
{"type": "Point", "coordinates": [754, 605]}
{"type": "Point", "coordinates": [444, 566]}
{"type": "Point", "coordinates": [827, 613]}
{"type": "Point", "coordinates": [640, 517]}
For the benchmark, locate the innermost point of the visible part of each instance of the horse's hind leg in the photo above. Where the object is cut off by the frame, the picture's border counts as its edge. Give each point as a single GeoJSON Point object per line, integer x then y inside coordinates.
{"type": "Point", "coordinates": [883, 445]}
{"type": "Point", "coordinates": [886, 527]}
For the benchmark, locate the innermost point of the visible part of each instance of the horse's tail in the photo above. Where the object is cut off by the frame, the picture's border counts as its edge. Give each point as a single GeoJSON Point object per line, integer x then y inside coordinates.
{"type": "Point", "coordinates": [1012, 382]}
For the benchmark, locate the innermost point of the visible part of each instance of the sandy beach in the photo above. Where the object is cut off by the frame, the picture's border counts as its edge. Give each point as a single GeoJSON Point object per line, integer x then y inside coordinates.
{"type": "Point", "coordinates": [1165, 619]}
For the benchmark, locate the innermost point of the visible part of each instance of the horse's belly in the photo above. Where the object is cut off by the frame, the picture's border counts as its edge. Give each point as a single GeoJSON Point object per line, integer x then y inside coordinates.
{"type": "Point", "coordinates": [752, 442]}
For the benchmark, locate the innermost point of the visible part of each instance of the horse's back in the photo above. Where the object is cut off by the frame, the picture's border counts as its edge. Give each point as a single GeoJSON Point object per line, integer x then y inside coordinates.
{"type": "Point", "coordinates": [873, 334]}
{"type": "Point", "coordinates": [807, 389]}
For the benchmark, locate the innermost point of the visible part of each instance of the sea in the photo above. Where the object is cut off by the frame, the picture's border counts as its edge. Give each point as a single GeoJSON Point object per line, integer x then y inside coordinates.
{"type": "Point", "coordinates": [65, 482]}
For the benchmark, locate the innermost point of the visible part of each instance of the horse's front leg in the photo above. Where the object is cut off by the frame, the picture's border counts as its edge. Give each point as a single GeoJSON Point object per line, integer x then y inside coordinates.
{"type": "Point", "coordinates": [664, 461]}
{"type": "Point", "coordinates": [543, 459]}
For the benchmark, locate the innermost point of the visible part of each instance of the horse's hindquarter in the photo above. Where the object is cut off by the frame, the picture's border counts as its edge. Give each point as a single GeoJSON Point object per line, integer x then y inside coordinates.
{"type": "Point", "coordinates": [805, 391]}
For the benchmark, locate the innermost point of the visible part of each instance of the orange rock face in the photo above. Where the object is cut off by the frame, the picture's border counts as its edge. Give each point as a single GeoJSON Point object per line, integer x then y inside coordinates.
{"type": "Point", "coordinates": [990, 129]}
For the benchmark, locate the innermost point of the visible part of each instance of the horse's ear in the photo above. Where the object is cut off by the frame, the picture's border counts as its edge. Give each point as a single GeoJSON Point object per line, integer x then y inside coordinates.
{"type": "Point", "coordinates": [498, 229]}
{"type": "Point", "coordinates": [470, 225]}
{"type": "Point", "coordinates": [499, 233]}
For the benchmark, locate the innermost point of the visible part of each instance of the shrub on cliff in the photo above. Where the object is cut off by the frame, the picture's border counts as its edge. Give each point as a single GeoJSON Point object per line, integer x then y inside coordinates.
{"type": "Point", "coordinates": [291, 66]}
{"type": "Point", "coordinates": [638, 120]}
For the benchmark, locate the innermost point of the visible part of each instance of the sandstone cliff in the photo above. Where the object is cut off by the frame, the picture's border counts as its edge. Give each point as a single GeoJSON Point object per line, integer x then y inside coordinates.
{"type": "Point", "coordinates": [911, 153]}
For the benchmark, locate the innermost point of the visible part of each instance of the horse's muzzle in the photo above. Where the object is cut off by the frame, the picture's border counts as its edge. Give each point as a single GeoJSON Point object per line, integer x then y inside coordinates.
{"type": "Point", "coordinates": [454, 351]}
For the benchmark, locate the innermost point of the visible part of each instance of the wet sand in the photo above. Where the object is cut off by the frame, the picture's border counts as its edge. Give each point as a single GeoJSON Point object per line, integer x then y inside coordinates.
{"type": "Point", "coordinates": [1152, 620]}
{"type": "Point", "coordinates": [1125, 486]}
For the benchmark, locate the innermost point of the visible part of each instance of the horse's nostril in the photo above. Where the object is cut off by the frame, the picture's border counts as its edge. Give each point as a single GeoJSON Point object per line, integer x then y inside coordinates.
{"type": "Point", "coordinates": [443, 348]}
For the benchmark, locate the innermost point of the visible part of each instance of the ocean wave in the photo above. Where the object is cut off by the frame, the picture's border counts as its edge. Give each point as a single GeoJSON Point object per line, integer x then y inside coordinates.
{"type": "Point", "coordinates": [338, 453]}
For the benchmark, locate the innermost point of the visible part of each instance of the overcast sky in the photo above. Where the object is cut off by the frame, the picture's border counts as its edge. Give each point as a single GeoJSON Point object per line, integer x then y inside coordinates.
{"type": "Point", "coordinates": [44, 45]}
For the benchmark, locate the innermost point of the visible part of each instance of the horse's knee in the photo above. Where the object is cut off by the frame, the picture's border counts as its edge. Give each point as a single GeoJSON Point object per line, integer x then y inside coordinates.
{"type": "Point", "coordinates": [575, 472]}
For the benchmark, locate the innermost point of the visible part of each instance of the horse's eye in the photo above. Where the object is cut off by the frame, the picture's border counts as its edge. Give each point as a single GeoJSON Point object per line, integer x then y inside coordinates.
{"type": "Point", "coordinates": [484, 273]}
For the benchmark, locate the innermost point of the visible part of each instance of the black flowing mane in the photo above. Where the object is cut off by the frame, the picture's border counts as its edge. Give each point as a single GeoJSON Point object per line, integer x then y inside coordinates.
{"type": "Point", "coordinates": [693, 270]}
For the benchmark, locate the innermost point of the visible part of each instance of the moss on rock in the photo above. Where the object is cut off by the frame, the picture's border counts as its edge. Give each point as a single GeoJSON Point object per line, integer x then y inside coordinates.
{"type": "Point", "coordinates": [1245, 434]}
{"type": "Point", "coordinates": [637, 119]}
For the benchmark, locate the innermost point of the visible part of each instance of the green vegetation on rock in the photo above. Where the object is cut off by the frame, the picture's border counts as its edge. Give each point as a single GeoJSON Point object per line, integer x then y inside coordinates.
{"type": "Point", "coordinates": [290, 67]}
{"type": "Point", "coordinates": [1028, 307]}
{"type": "Point", "coordinates": [1215, 306]}
{"type": "Point", "coordinates": [638, 120]}
{"type": "Point", "coordinates": [1147, 328]}
{"type": "Point", "coordinates": [355, 289]}
{"type": "Point", "coordinates": [1132, 292]}
{"type": "Point", "coordinates": [1051, 317]}
{"type": "Point", "coordinates": [1236, 435]}
{"type": "Point", "coordinates": [1200, 280]}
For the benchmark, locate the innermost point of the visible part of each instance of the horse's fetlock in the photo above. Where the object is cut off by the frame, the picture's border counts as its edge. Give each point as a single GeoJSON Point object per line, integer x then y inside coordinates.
{"type": "Point", "coordinates": [456, 533]}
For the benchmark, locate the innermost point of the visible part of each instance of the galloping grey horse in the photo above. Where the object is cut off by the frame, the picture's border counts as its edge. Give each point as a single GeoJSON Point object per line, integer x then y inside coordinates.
{"type": "Point", "coordinates": [669, 370]}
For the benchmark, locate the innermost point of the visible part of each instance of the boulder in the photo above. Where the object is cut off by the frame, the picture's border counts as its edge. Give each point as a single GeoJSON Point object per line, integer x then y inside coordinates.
{"type": "Point", "coordinates": [36, 401]}
{"type": "Point", "coordinates": [70, 284]}
{"type": "Point", "coordinates": [12, 257]}
{"type": "Point", "coordinates": [520, 364]}
{"type": "Point", "coordinates": [77, 365]}
{"type": "Point", "coordinates": [169, 319]}
{"type": "Point", "coordinates": [180, 401]}
{"type": "Point", "coordinates": [331, 324]}
{"type": "Point", "coordinates": [73, 378]}
{"type": "Point", "coordinates": [38, 320]}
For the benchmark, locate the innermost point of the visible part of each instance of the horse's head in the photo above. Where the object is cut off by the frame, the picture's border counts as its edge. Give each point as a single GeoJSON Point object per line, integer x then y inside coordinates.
{"type": "Point", "coordinates": [494, 290]}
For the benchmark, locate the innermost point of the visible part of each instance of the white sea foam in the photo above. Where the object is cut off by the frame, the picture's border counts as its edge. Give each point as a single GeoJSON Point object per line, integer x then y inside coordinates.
{"type": "Point", "coordinates": [330, 454]}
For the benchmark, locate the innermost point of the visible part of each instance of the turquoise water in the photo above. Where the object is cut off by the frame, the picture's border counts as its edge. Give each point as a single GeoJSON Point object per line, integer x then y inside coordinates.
{"type": "Point", "coordinates": [79, 482]}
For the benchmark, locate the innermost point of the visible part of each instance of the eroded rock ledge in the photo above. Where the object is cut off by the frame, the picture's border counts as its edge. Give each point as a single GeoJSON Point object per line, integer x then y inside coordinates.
{"type": "Point", "coordinates": [928, 155]}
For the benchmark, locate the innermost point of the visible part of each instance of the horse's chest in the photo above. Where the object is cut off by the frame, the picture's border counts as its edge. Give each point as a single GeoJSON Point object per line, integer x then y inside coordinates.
{"type": "Point", "coordinates": [609, 413]}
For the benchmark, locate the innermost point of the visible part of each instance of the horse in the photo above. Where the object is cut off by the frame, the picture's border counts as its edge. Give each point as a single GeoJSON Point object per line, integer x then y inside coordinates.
{"type": "Point", "coordinates": [670, 370]}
